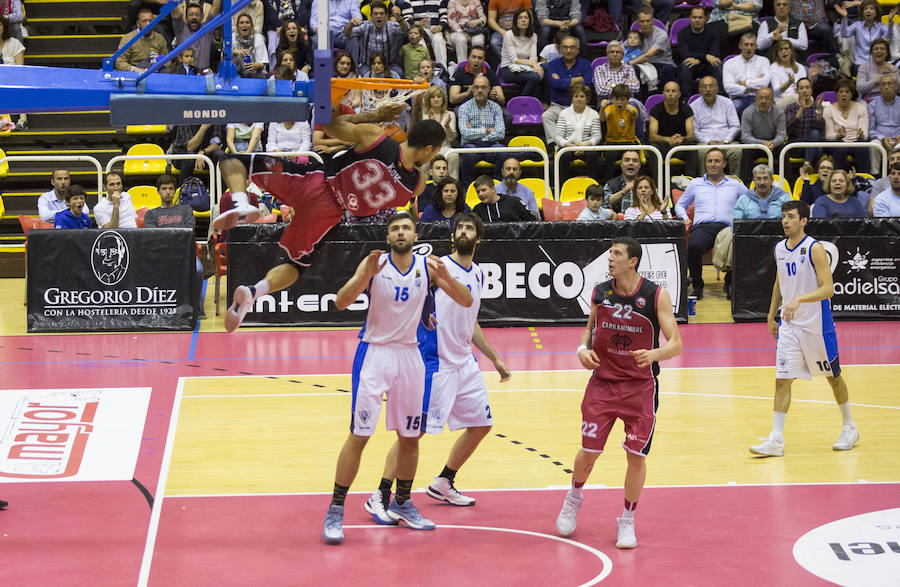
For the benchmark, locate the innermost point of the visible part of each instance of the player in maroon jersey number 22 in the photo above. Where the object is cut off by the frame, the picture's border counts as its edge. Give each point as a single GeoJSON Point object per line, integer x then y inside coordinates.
{"type": "Point", "coordinates": [621, 346]}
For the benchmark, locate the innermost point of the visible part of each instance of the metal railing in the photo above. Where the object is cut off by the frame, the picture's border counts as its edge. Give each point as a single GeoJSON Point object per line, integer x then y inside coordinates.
{"type": "Point", "coordinates": [649, 148]}
{"type": "Point", "coordinates": [834, 145]}
{"type": "Point", "coordinates": [311, 154]}
{"type": "Point", "coordinates": [61, 158]}
{"type": "Point", "coordinates": [170, 157]}
{"type": "Point", "coordinates": [728, 147]}
{"type": "Point", "coordinates": [522, 149]}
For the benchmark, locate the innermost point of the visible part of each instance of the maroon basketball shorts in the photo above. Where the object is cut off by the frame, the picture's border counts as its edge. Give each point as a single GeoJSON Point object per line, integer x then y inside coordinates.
{"type": "Point", "coordinates": [633, 401]}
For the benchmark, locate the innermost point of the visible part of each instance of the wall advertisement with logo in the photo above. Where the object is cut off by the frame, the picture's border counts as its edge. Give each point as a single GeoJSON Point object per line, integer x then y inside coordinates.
{"type": "Point", "coordinates": [123, 279]}
{"type": "Point", "coordinates": [534, 272]}
{"type": "Point", "coordinates": [865, 266]}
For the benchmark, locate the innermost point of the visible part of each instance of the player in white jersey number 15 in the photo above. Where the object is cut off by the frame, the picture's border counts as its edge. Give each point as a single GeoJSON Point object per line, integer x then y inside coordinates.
{"type": "Point", "coordinates": [807, 343]}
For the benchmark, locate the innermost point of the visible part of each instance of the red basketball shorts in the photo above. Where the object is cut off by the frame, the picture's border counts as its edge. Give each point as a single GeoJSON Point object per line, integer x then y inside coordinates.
{"type": "Point", "coordinates": [632, 401]}
{"type": "Point", "coordinates": [313, 201]}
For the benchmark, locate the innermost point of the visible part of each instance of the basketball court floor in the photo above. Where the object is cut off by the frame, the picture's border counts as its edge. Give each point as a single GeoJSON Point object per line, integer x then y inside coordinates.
{"type": "Point", "coordinates": [208, 459]}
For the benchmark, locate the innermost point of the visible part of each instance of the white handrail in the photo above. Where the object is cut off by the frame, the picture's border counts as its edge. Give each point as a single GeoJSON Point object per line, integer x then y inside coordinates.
{"type": "Point", "coordinates": [651, 148]}
{"type": "Point", "coordinates": [171, 157]}
{"type": "Point", "coordinates": [726, 147]}
{"type": "Point", "coordinates": [87, 158]}
{"type": "Point", "coordinates": [312, 154]}
{"type": "Point", "coordinates": [835, 145]}
{"type": "Point", "coordinates": [521, 149]}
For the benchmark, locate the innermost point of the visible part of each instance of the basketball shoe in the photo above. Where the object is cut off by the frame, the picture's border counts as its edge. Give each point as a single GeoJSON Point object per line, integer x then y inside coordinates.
{"type": "Point", "coordinates": [333, 532]}
{"type": "Point", "coordinates": [770, 448]}
{"type": "Point", "coordinates": [240, 305]}
{"type": "Point", "coordinates": [625, 536]}
{"type": "Point", "coordinates": [242, 213]}
{"type": "Point", "coordinates": [3, 504]}
{"type": "Point", "coordinates": [442, 488]}
{"type": "Point", "coordinates": [409, 514]}
{"type": "Point", "coordinates": [375, 507]}
{"type": "Point", "coordinates": [565, 522]}
{"type": "Point", "coordinates": [849, 437]}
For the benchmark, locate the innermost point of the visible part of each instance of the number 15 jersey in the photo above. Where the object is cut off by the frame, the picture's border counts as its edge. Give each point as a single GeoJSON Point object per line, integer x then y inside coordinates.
{"type": "Point", "coordinates": [395, 302]}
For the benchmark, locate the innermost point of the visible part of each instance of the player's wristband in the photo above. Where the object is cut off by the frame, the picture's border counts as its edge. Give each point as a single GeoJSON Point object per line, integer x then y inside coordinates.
{"type": "Point", "coordinates": [580, 348]}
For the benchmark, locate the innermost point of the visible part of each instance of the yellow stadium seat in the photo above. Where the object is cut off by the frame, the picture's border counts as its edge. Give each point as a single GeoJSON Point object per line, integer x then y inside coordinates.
{"type": "Point", "coordinates": [778, 181]}
{"type": "Point", "coordinates": [798, 185]}
{"type": "Point", "coordinates": [529, 141]}
{"type": "Point", "coordinates": [2, 207]}
{"type": "Point", "coordinates": [146, 129]}
{"type": "Point", "coordinates": [573, 189]}
{"type": "Point", "coordinates": [144, 196]}
{"type": "Point", "coordinates": [147, 166]}
{"type": "Point", "coordinates": [4, 169]}
{"type": "Point", "coordinates": [472, 196]}
{"type": "Point", "coordinates": [538, 186]}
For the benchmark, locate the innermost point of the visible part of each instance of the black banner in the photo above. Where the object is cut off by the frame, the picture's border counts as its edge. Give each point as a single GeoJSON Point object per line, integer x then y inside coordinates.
{"type": "Point", "coordinates": [865, 264]}
{"type": "Point", "coordinates": [122, 279]}
{"type": "Point", "coordinates": [534, 272]}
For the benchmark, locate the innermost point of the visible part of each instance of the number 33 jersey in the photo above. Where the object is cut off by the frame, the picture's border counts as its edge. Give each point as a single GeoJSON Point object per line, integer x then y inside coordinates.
{"type": "Point", "coordinates": [395, 302]}
{"type": "Point", "coordinates": [625, 323]}
{"type": "Point", "coordinates": [372, 180]}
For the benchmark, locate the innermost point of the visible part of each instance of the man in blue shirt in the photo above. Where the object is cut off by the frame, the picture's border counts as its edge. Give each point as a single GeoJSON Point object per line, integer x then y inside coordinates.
{"type": "Point", "coordinates": [884, 118]}
{"type": "Point", "coordinates": [714, 197]}
{"type": "Point", "coordinates": [887, 203]}
{"type": "Point", "coordinates": [340, 14]}
{"type": "Point", "coordinates": [562, 74]}
{"type": "Point", "coordinates": [72, 217]}
{"type": "Point", "coordinates": [480, 125]}
{"type": "Point", "coordinates": [510, 186]}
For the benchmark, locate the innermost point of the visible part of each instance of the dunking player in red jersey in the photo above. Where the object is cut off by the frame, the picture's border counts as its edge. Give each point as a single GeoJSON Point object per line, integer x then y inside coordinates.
{"type": "Point", "coordinates": [378, 173]}
{"type": "Point", "coordinates": [621, 346]}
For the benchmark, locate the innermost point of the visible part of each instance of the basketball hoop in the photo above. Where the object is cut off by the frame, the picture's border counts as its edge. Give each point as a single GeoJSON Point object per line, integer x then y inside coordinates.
{"type": "Point", "coordinates": [380, 90]}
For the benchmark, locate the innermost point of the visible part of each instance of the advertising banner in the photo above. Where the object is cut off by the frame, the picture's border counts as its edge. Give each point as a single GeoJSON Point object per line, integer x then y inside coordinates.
{"type": "Point", "coordinates": [122, 279]}
{"type": "Point", "coordinates": [534, 272]}
{"type": "Point", "coordinates": [865, 264]}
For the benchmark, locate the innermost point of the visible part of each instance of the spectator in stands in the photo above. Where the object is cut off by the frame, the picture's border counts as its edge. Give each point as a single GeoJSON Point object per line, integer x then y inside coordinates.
{"type": "Point", "coordinates": [12, 52]}
{"type": "Point", "coordinates": [461, 82]}
{"type": "Point", "coordinates": [185, 62]}
{"type": "Point", "coordinates": [593, 209]}
{"type": "Point", "coordinates": [745, 74]}
{"type": "Point", "coordinates": [448, 201]}
{"type": "Point", "coordinates": [468, 25]}
{"type": "Point", "coordinates": [116, 210]}
{"type": "Point", "coordinates": [837, 201]}
{"type": "Point", "coordinates": [243, 137]}
{"type": "Point", "coordinates": [803, 119]}
{"type": "Point", "coordinates": [781, 27]}
{"type": "Point", "coordinates": [564, 73]}
{"type": "Point", "coordinates": [345, 67]}
{"type": "Point", "coordinates": [661, 8]}
{"type": "Point", "coordinates": [621, 122]}
{"type": "Point", "coordinates": [556, 16]}
{"type": "Point", "coordinates": [76, 213]}
{"type": "Point", "coordinates": [813, 190]}
{"type": "Point", "coordinates": [248, 44]}
{"type": "Point", "coordinates": [884, 118]}
{"type": "Point", "coordinates": [49, 203]}
{"type": "Point", "coordinates": [438, 172]}
{"type": "Point", "coordinates": [164, 27]}
{"type": "Point", "coordinates": [510, 186]}
{"type": "Point", "coordinates": [204, 139]}
{"type": "Point", "coordinates": [764, 200]}
{"type": "Point", "coordinates": [518, 59]}
{"type": "Point", "coordinates": [413, 53]}
{"type": "Point", "coordinates": [496, 207]}
{"type": "Point", "coordinates": [698, 46]}
{"type": "Point", "coordinates": [552, 50]}
{"type": "Point", "coordinates": [137, 58]}
{"type": "Point", "coordinates": [289, 136]}
{"type": "Point", "coordinates": [657, 50]}
{"type": "Point", "coordinates": [285, 60]}
{"type": "Point", "coordinates": [431, 15]}
{"type": "Point", "coordinates": [714, 196]}
{"type": "Point", "coordinates": [426, 74]}
{"type": "Point", "coordinates": [14, 13]}
{"type": "Point", "coordinates": [480, 125]}
{"type": "Point", "coordinates": [634, 42]}
{"type": "Point", "coordinates": [648, 206]}
{"type": "Point", "coordinates": [869, 73]}
{"type": "Point", "coordinates": [818, 28]}
{"type": "Point", "coordinates": [578, 126]}
{"type": "Point", "coordinates": [614, 72]}
{"type": "Point", "coordinates": [500, 19]}
{"type": "Point", "coordinates": [672, 124]}
{"type": "Point", "coordinates": [377, 36]}
{"type": "Point", "coordinates": [256, 11]}
{"type": "Point", "coordinates": [432, 105]}
{"type": "Point", "coordinates": [785, 73]}
{"type": "Point", "coordinates": [733, 18]}
{"type": "Point", "coordinates": [187, 18]}
{"type": "Point", "coordinates": [618, 192]}
{"type": "Point", "coordinates": [716, 121]}
{"type": "Point", "coordinates": [761, 124]}
{"type": "Point", "coordinates": [340, 14]}
{"type": "Point", "coordinates": [884, 183]}
{"type": "Point", "coordinates": [847, 121]}
{"type": "Point", "coordinates": [294, 39]}
{"type": "Point", "coordinates": [887, 203]}
{"type": "Point", "coordinates": [866, 30]}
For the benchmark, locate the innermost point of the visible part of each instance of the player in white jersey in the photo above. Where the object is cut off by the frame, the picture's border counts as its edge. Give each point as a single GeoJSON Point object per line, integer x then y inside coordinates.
{"type": "Point", "coordinates": [455, 393]}
{"type": "Point", "coordinates": [388, 362]}
{"type": "Point", "coordinates": [807, 344]}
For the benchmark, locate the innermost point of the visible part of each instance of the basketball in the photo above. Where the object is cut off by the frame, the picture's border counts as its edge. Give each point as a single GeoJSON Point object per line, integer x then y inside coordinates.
{"type": "Point", "coordinates": [395, 132]}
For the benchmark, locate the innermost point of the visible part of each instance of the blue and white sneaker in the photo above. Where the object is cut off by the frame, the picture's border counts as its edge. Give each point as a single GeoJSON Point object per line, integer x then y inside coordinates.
{"type": "Point", "coordinates": [375, 506]}
{"type": "Point", "coordinates": [409, 514]}
{"type": "Point", "coordinates": [333, 532]}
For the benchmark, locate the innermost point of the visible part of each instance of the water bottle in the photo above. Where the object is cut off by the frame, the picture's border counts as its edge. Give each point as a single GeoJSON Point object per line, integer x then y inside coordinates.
{"type": "Point", "coordinates": [153, 57]}
{"type": "Point", "coordinates": [247, 62]}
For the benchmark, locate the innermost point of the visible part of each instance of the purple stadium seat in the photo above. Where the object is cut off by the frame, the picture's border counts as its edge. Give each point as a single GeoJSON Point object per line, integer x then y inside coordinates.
{"type": "Point", "coordinates": [830, 96]}
{"type": "Point", "coordinates": [525, 110]}
{"type": "Point", "coordinates": [694, 98]}
{"type": "Point", "coordinates": [816, 56]}
{"type": "Point", "coordinates": [652, 100]}
{"type": "Point", "coordinates": [677, 26]}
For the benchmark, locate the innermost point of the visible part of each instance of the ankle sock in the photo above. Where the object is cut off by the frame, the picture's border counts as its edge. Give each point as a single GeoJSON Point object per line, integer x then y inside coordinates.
{"type": "Point", "coordinates": [778, 426]}
{"type": "Point", "coordinates": [448, 473]}
{"type": "Point", "coordinates": [260, 289]}
{"type": "Point", "coordinates": [385, 489]}
{"type": "Point", "coordinates": [628, 511]}
{"type": "Point", "coordinates": [845, 414]}
{"type": "Point", "coordinates": [404, 488]}
{"type": "Point", "coordinates": [339, 494]}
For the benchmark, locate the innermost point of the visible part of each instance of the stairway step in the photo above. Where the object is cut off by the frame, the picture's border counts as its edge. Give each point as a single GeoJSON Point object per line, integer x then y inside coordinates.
{"type": "Point", "coordinates": [82, 8]}
{"type": "Point", "coordinates": [50, 44]}
{"type": "Point", "coordinates": [93, 120]}
{"type": "Point", "coordinates": [81, 60]}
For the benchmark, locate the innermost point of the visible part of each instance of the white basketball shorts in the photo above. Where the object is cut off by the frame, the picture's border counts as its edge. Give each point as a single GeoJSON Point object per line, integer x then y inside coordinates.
{"type": "Point", "coordinates": [801, 353]}
{"type": "Point", "coordinates": [457, 398]}
{"type": "Point", "coordinates": [394, 370]}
